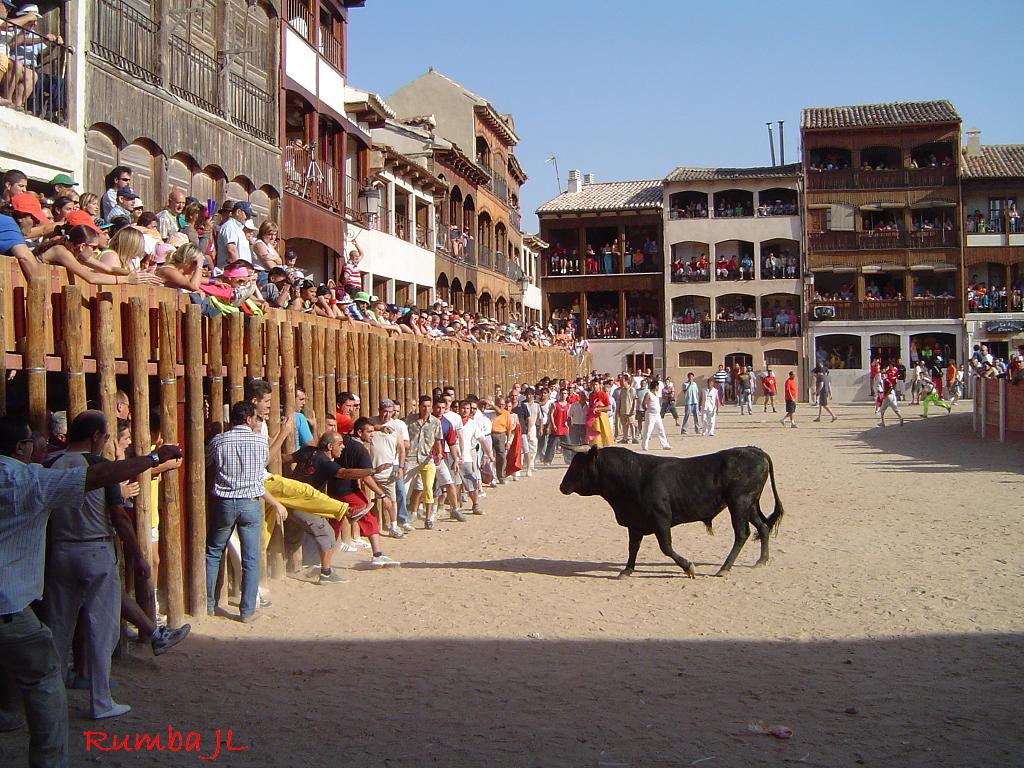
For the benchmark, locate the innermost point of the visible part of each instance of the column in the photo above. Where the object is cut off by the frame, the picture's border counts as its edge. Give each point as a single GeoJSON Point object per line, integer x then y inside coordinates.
{"type": "Point", "coordinates": [583, 315]}
{"type": "Point", "coordinates": [757, 259]}
{"type": "Point", "coordinates": [411, 210]}
{"type": "Point", "coordinates": [432, 225]}
{"type": "Point", "coordinates": [390, 229]}
{"type": "Point", "coordinates": [622, 314]}
{"type": "Point", "coordinates": [582, 240]}
{"type": "Point", "coordinates": [622, 247]}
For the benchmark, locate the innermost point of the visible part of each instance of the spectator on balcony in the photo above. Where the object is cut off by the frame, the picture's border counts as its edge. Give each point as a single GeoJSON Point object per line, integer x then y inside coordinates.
{"type": "Point", "coordinates": [195, 219]}
{"type": "Point", "coordinates": [124, 200]}
{"type": "Point", "coordinates": [15, 183]}
{"type": "Point", "coordinates": [232, 243]}
{"type": "Point", "coordinates": [352, 276]}
{"type": "Point", "coordinates": [61, 207]}
{"type": "Point", "coordinates": [119, 178]}
{"type": "Point", "coordinates": [170, 219]}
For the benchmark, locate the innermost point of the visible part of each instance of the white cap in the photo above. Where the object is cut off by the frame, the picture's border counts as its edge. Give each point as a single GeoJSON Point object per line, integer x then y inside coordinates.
{"type": "Point", "coordinates": [250, 224]}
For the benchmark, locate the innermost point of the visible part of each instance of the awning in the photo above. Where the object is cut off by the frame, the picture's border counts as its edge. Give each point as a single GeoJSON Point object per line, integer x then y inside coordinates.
{"type": "Point", "coordinates": [894, 205]}
{"type": "Point", "coordinates": [933, 204]}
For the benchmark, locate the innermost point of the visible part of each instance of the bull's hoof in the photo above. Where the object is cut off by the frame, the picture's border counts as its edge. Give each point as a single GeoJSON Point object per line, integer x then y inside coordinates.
{"type": "Point", "coordinates": [690, 572]}
{"type": "Point", "coordinates": [723, 572]}
{"type": "Point", "coordinates": [761, 562]}
{"type": "Point", "coordinates": [625, 573]}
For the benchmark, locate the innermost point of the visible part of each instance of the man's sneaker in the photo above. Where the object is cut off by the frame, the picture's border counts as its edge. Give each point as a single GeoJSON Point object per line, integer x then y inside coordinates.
{"type": "Point", "coordinates": [481, 495]}
{"type": "Point", "coordinates": [361, 543]}
{"type": "Point", "coordinates": [383, 561]}
{"type": "Point", "coordinates": [344, 547]}
{"type": "Point", "coordinates": [168, 638]}
{"type": "Point", "coordinates": [457, 515]}
{"type": "Point", "coordinates": [395, 532]}
{"type": "Point", "coordinates": [331, 578]}
{"type": "Point", "coordinates": [492, 484]}
{"type": "Point", "coordinates": [428, 524]}
{"type": "Point", "coordinates": [406, 527]}
{"type": "Point", "coordinates": [792, 424]}
{"type": "Point", "coordinates": [477, 510]}
{"type": "Point", "coordinates": [264, 602]}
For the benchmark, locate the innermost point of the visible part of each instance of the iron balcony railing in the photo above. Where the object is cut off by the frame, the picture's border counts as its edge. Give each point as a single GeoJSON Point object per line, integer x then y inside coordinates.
{"type": "Point", "coordinates": [485, 256]}
{"type": "Point", "coordinates": [194, 75]}
{"type": "Point", "coordinates": [252, 109]}
{"type": "Point", "coordinates": [126, 39]}
{"type": "Point", "coordinates": [47, 62]}
{"type": "Point", "coordinates": [883, 240]}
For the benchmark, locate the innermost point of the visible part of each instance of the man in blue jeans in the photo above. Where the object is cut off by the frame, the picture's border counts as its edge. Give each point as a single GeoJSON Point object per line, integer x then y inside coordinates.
{"type": "Point", "coordinates": [239, 460]}
{"type": "Point", "coordinates": [691, 403]}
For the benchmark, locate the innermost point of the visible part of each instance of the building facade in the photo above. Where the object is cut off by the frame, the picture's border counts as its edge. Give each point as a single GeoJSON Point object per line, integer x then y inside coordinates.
{"type": "Point", "coordinates": [993, 192]}
{"type": "Point", "coordinates": [208, 79]}
{"type": "Point", "coordinates": [734, 282]}
{"type": "Point", "coordinates": [324, 150]}
{"type": "Point", "coordinates": [603, 269]}
{"type": "Point", "coordinates": [882, 217]}
{"type": "Point", "coordinates": [477, 226]}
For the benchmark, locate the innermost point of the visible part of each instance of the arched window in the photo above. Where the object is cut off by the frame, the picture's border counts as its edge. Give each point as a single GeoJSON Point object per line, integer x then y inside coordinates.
{"type": "Point", "coordinates": [695, 358]}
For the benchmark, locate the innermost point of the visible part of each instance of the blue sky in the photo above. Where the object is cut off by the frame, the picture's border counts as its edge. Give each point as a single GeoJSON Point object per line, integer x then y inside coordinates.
{"type": "Point", "coordinates": [633, 89]}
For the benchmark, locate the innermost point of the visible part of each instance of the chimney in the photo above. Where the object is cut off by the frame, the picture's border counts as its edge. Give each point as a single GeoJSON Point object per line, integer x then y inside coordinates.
{"type": "Point", "coordinates": [574, 181]}
{"type": "Point", "coordinates": [588, 178]}
{"type": "Point", "coordinates": [973, 142]}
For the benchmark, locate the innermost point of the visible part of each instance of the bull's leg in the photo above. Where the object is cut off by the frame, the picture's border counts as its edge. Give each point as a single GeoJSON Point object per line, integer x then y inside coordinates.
{"type": "Point", "coordinates": [634, 547]}
{"type": "Point", "coordinates": [664, 535]}
{"type": "Point", "coordinates": [741, 530]}
{"type": "Point", "coordinates": [761, 526]}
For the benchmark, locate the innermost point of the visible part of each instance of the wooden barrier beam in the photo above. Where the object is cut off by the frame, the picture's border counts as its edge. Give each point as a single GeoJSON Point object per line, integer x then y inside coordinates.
{"type": "Point", "coordinates": [215, 370]}
{"type": "Point", "coordinates": [136, 352]}
{"type": "Point", "coordinates": [74, 351]}
{"type": "Point", "coordinates": [106, 361]}
{"type": "Point", "coordinates": [236, 362]}
{"type": "Point", "coordinates": [35, 353]}
{"type": "Point", "coordinates": [170, 511]}
{"type": "Point", "coordinates": [195, 461]}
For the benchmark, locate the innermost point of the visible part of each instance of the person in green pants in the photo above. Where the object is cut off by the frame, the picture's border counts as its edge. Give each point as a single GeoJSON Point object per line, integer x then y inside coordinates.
{"type": "Point", "coordinates": [930, 397]}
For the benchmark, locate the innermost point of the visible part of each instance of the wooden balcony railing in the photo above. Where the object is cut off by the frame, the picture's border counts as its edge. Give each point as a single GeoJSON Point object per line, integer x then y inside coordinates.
{"type": "Point", "coordinates": [299, 17]}
{"type": "Point", "coordinates": [888, 309]}
{"type": "Point", "coordinates": [253, 109]}
{"type": "Point", "coordinates": [126, 39]}
{"type": "Point", "coordinates": [194, 76]}
{"type": "Point", "coordinates": [906, 178]}
{"type": "Point", "coordinates": [331, 50]}
{"type": "Point", "coordinates": [885, 240]}
{"type": "Point", "coordinates": [324, 189]}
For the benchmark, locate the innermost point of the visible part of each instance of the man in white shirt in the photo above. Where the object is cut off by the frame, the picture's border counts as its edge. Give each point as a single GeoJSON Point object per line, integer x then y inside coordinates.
{"type": "Point", "coordinates": [469, 469]}
{"type": "Point", "coordinates": [232, 244]}
{"type": "Point", "coordinates": [388, 445]}
{"type": "Point", "coordinates": [483, 421]}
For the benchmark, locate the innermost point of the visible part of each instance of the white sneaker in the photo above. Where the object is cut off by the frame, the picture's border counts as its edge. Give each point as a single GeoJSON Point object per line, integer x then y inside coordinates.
{"type": "Point", "coordinates": [383, 561]}
{"type": "Point", "coordinates": [344, 547]}
{"type": "Point", "coordinates": [395, 532]}
{"type": "Point", "coordinates": [481, 495]}
{"type": "Point", "coordinates": [529, 473]}
{"type": "Point", "coordinates": [406, 527]}
{"type": "Point", "coordinates": [115, 711]}
{"type": "Point", "coordinates": [361, 543]}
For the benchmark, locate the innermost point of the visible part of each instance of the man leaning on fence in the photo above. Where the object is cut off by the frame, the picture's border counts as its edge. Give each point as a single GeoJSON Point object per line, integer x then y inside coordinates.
{"type": "Point", "coordinates": [28, 493]}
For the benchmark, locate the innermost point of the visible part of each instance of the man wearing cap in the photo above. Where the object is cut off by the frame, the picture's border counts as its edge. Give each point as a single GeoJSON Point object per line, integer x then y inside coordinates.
{"type": "Point", "coordinates": [167, 218]}
{"type": "Point", "coordinates": [63, 186]}
{"type": "Point", "coordinates": [232, 244]}
{"type": "Point", "coordinates": [125, 198]}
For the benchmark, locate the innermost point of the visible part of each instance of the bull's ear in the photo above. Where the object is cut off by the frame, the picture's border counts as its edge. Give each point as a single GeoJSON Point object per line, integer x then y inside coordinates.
{"type": "Point", "coordinates": [592, 453]}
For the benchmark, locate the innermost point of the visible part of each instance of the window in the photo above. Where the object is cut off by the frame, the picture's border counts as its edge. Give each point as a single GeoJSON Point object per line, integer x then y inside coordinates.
{"type": "Point", "coordinates": [781, 357]}
{"type": "Point", "coordinates": [695, 358]}
{"type": "Point", "coordinates": [840, 218]}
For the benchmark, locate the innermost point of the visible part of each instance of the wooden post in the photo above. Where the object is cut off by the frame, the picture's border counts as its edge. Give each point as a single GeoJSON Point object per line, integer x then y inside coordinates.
{"type": "Point", "coordinates": [375, 361]}
{"type": "Point", "coordinates": [195, 460]}
{"type": "Point", "coordinates": [215, 370]}
{"type": "Point", "coordinates": [352, 341]}
{"type": "Point", "coordinates": [330, 377]}
{"type": "Point", "coordinates": [315, 393]}
{"type": "Point", "coordinates": [341, 360]}
{"type": "Point", "coordinates": [4, 293]}
{"type": "Point", "coordinates": [276, 554]}
{"type": "Point", "coordinates": [74, 351]}
{"type": "Point", "coordinates": [106, 355]}
{"type": "Point", "coordinates": [275, 547]}
{"type": "Point", "coordinates": [35, 353]}
{"type": "Point", "coordinates": [254, 347]}
{"type": "Point", "coordinates": [363, 369]}
{"type": "Point", "coordinates": [423, 383]}
{"type": "Point", "coordinates": [137, 355]}
{"type": "Point", "coordinates": [1002, 409]}
{"type": "Point", "coordinates": [305, 356]}
{"type": "Point", "coordinates": [236, 363]}
{"type": "Point", "coordinates": [170, 511]}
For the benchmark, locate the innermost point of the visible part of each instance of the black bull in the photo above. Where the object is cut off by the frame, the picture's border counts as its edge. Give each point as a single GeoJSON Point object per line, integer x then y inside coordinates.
{"type": "Point", "coordinates": [650, 494]}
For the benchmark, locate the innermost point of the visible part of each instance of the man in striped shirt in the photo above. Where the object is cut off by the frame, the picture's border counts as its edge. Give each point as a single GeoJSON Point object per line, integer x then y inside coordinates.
{"type": "Point", "coordinates": [721, 377]}
{"type": "Point", "coordinates": [239, 460]}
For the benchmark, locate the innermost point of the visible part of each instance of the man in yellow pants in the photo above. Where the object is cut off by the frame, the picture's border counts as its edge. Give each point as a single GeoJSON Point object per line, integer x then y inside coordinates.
{"type": "Point", "coordinates": [424, 429]}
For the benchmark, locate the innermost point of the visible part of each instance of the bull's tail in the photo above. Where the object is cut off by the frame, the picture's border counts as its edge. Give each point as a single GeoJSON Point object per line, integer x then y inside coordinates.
{"type": "Point", "coordinates": [775, 518]}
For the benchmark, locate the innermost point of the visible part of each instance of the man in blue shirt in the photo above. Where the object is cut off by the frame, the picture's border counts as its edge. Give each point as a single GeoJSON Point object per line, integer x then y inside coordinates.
{"type": "Point", "coordinates": [303, 431]}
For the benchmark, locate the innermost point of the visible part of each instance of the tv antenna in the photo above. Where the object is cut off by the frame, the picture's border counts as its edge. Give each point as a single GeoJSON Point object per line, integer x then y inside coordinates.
{"type": "Point", "coordinates": [558, 179]}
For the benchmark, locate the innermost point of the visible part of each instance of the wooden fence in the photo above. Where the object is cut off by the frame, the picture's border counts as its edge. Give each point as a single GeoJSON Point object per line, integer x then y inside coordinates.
{"type": "Point", "coordinates": [66, 346]}
{"type": "Point", "coordinates": [998, 408]}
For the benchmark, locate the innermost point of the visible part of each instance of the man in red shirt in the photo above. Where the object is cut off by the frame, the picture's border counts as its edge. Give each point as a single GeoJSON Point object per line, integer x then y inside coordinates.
{"type": "Point", "coordinates": [791, 394]}
{"type": "Point", "coordinates": [348, 411]}
{"type": "Point", "coordinates": [769, 386]}
{"type": "Point", "coordinates": [558, 429]}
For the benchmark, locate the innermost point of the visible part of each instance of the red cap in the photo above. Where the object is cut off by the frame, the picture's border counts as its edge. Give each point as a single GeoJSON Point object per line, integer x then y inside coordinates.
{"type": "Point", "coordinates": [26, 202]}
{"type": "Point", "coordinates": [82, 218]}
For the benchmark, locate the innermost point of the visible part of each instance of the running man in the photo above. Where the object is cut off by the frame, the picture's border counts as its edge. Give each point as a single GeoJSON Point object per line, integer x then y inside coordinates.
{"type": "Point", "coordinates": [930, 397]}
{"type": "Point", "coordinates": [889, 401]}
{"type": "Point", "coordinates": [823, 387]}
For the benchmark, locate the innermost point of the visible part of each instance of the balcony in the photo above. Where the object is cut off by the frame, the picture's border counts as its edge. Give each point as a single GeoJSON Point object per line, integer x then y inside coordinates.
{"type": "Point", "coordinates": [882, 240]}
{"type": "Point", "coordinates": [330, 48]}
{"type": "Point", "coordinates": [515, 219]}
{"type": "Point", "coordinates": [887, 309]}
{"type": "Point", "coordinates": [907, 178]}
{"type": "Point", "coordinates": [324, 188]}
{"type": "Point", "coordinates": [485, 256]}
{"type": "Point", "coordinates": [500, 263]}
{"type": "Point", "coordinates": [128, 41]}
{"type": "Point", "coordinates": [48, 99]}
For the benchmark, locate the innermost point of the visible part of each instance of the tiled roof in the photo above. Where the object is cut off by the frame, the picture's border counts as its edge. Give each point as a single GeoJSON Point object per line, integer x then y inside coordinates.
{"type": "Point", "coordinates": [865, 115]}
{"type": "Point", "coordinates": [995, 161]}
{"type": "Point", "coordinates": [609, 196]}
{"type": "Point", "coordinates": [727, 174]}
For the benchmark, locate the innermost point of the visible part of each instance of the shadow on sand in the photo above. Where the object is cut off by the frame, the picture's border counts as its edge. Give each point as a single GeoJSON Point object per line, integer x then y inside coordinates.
{"type": "Point", "coordinates": [947, 700]}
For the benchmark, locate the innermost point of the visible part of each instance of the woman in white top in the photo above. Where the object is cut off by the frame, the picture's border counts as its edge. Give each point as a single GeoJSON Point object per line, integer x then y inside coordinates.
{"type": "Point", "coordinates": [265, 248]}
{"type": "Point", "coordinates": [709, 411]}
{"type": "Point", "coordinates": [653, 423]}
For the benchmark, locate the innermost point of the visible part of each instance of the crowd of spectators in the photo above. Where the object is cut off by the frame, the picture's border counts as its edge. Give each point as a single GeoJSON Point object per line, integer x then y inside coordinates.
{"type": "Point", "coordinates": [777, 208]}
{"type": "Point", "coordinates": [997, 222]}
{"type": "Point", "coordinates": [692, 210]}
{"type": "Point", "coordinates": [726, 208]}
{"type": "Point", "coordinates": [886, 292]}
{"type": "Point", "coordinates": [843, 293]}
{"type": "Point", "coordinates": [692, 270]}
{"type": "Point", "coordinates": [738, 311]}
{"type": "Point", "coordinates": [642, 325]}
{"type": "Point", "coordinates": [219, 256]}
{"type": "Point", "coordinates": [562, 261]}
{"type": "Point", "coordinates": [982, 297]}
{"type": "Point", "coordinates": [603, 323]}
{"type": "Point", "coordinates": [23, 82]}
{"type": "Point", "coordinates": [778, 264]}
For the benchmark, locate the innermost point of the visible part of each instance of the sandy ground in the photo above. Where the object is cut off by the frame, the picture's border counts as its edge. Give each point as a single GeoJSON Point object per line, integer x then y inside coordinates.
{"type": "Point", "coordinates": [885, 632]}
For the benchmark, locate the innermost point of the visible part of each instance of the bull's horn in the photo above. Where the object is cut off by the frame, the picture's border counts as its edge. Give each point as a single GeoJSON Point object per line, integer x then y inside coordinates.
{"type": "Point", "coordinates": [578, 448]}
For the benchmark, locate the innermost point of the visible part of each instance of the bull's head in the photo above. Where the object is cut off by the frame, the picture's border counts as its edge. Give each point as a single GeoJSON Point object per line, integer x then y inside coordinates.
{"type": "Point", "coordinates": [579, 477]}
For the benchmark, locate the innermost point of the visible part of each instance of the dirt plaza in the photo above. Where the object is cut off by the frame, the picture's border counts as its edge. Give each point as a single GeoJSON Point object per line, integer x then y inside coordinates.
{"type": "Point", "coordinates": [885, 631]}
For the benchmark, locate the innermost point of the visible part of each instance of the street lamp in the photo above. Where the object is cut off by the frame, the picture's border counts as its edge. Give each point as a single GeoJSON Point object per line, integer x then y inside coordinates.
{"type": "Point", "coordinates": [369, 201]}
